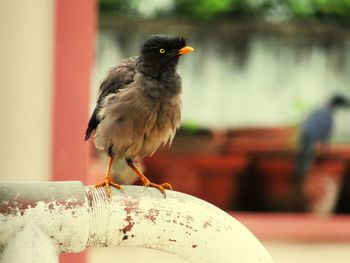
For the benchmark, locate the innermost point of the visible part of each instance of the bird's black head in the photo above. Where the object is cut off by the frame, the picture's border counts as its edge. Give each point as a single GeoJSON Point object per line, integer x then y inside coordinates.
{"type": "Point", "coordinates": [160, 51]}
{"type": "Point", "coordinates": [339, 101]}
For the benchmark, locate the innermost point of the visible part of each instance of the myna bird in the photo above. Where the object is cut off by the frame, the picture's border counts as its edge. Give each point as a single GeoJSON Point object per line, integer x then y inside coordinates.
{"type": "Point", "coordinates": [316, 128]}
{"type": "Point", "coordinates": [138, 109]}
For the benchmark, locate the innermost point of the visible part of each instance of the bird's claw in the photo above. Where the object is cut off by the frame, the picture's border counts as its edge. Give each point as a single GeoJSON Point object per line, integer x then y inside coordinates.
{"type": "Point", "coordinates": [107, 183]}
{"type": "Point", "coordinates": [167, 186]}
{"type": "Point", "coordinates": [160, 187]}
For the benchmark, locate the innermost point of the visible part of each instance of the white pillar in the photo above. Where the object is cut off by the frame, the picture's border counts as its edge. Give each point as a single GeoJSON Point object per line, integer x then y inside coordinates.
{"type": "Point", "coordinates": [26, 53]}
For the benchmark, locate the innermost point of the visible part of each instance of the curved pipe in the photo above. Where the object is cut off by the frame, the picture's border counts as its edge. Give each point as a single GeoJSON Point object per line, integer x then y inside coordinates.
{"type": "Point", "coordinates": [75, 217]}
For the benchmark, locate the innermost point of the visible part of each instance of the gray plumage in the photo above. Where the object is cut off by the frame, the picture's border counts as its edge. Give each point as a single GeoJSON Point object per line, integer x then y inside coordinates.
{"type": "Point", "coordinates": [317, 128]}
{"type": "Point", "coordinates": [138, 119]}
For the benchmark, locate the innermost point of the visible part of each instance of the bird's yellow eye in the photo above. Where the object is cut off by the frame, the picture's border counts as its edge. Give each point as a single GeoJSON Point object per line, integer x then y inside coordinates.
{"type": "Point", "coordinates": [162, 50]}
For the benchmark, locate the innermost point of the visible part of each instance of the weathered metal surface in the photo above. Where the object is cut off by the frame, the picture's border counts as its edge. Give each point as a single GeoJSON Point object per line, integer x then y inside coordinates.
{"type": "Point", "coordinates": [74, 217]}
{"type": "Point", "coordinates": [180, 224]}
{"type": "Point", "coordinates": [59, 210]}
{"type": "Point", "coordinates": [30, 245]}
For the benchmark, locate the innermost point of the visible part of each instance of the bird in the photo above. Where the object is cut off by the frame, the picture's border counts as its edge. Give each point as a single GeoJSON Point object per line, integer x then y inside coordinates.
{"type": "Point", "coordinates": [316, 128]}
{"type": "Point", "coordinates": [139, 106]}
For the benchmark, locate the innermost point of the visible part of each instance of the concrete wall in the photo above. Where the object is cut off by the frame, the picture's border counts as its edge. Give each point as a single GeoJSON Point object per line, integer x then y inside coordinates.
{"type": "Point", "coordinates": [255, 75]}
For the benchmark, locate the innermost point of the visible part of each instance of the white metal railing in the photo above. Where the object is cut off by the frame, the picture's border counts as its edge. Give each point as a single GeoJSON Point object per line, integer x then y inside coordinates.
{"type": "Point", "coordinates": [40, 220]}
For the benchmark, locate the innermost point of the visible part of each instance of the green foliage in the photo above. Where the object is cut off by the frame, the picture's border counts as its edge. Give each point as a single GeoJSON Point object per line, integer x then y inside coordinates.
{"type": "Point", "coordinates": [117, 5]}
{"type": "Point", "coordinates": [309, 8]}
{"type": "Point", "coordinates": [337, 7]}
{"type": "Point", "coordinates": [205, 9]}
{"type": "Point", "coordinates": [190, 127]}
{"type": "Point", "coordinates": [301, 8]}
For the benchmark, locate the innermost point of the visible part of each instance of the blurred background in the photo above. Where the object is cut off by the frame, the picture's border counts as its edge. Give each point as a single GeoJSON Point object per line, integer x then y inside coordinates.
{"type": "Point", "coordinates": [261, 69]}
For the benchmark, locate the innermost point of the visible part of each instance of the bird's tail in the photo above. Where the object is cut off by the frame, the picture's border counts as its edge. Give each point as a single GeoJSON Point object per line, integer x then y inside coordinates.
{"type": "Point", "coordinates": [88, 133]}
{"type": "Point", "coordinates": [304, 158]}
{"type": "Point", "coordinates": [93, 122]}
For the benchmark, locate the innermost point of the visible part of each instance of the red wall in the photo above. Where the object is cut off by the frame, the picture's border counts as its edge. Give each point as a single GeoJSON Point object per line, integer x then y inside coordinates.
{"type": "Point", "coordinates": [75, 26]}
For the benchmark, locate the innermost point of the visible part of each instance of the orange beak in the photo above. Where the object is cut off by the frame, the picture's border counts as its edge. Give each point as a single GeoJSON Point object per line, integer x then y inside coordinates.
{"type": "Point", "coordinates": [185, 50]}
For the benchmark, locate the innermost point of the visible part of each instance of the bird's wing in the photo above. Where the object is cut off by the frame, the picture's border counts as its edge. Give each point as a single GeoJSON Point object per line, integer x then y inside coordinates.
{"type": "Point", "coordinates": [318, 125]}
{"type": "Point", "coordinates": [119, 76]}
{"type": "Point", "coordinates": [316, 128]}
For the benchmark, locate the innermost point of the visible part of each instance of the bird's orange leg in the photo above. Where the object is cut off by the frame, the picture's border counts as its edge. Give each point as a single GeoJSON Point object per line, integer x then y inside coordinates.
{"type": "Point", "coordinates": [108, 180]}
{"type": "Point", "coordinates": [146, 182]}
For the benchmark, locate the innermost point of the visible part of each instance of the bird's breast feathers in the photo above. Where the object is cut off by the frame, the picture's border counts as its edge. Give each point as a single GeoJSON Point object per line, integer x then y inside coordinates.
{"type": "Point", "coordinates": [137, 124]}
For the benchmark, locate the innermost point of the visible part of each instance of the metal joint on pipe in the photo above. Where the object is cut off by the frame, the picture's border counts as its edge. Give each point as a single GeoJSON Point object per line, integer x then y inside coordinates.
{"type": "Point", "coordinates": [69, 217]}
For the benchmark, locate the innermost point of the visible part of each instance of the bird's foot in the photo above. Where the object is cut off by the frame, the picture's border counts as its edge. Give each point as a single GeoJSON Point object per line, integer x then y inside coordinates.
{"type": "Point", "coordinates": [108, 182]}
{"type": "Point", "coordinates": [160, 187]}
{"type": "Point", "coordinates": [145, 181]}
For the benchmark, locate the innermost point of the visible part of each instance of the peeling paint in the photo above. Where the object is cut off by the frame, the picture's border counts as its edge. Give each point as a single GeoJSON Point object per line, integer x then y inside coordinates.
{"type": "Point", "coordinates": [69, 204]}
{"type": "Point", "coordinates": [152, 215]}
{"type": "Point", "coordinates": [189, 218]}
{"type": "Point", "coordinates": [16, 207]}
{"type": "Point", "coordinates": [129, 226]}
{"type": "Point", "coordinates": [130, 205]}
{"type": "Point", "coordinates": [206, 224]}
